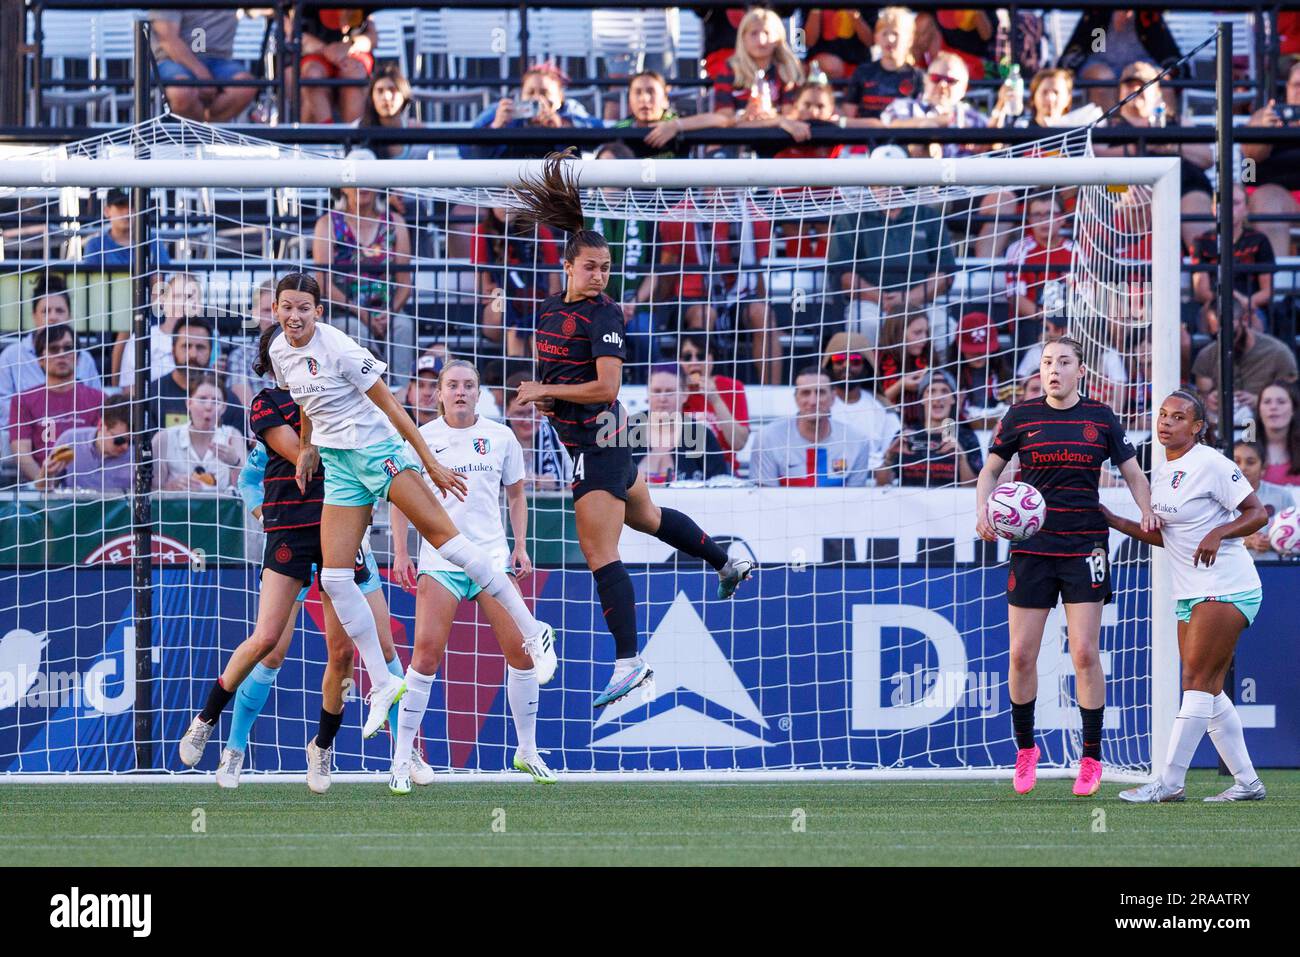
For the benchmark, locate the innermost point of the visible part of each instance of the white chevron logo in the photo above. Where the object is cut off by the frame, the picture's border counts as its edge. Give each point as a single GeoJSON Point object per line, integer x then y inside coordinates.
{"type": "Point", "coordinates": [684, 656]}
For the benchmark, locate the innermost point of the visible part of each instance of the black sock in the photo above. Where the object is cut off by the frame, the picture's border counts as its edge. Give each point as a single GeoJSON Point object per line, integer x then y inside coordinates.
{"type": "Point", "coordinates": [619, 602]}
{"type": "Point", "coordinates": [1022, 721]}
{"type": "Point", "coordinates": [680, 531]}
{"type": "Point", "coordinates": [329, 726]}
{"type": "Point", "coordinates": [1092, 721]}
{"type": "Point", "coordinates": [218, 698]}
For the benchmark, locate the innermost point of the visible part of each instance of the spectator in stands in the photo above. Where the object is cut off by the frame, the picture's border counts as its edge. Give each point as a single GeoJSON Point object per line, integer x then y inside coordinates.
{"type": "Point", "coordinates": [388, 105]}
{"type": "Point", "coordinates": [101, 460]}
{"type": "Point", "coordinates": [1039, 265]}
{"type": "Point", "coordinates": [966, 34]}
{"type": "Point", "coordinates": [810, 448]}
{"type": "Point", "coordinates": [20, 369]}
{"type": "Point", "coordinates": [1141, 112]}
{"type": "Point", "coordinates": [673, 448]}
{"type": "Point", "coordinates": [718, 399]}
{"type": "Point", "coordinates": [541, 103]}
{"type": "Point", "coordinates": [362, 253]}
{"type": "Point", "coordinates": [547, 465]}
{"type": "Point", "coordinates": [1277, 170]}
{"type": "Point", "coordinates": [814, 110]}
{"type": "Point", "coordinates": [179, 297]}
{"type": "Point", "coordinates": [936, 450]}
{"type": "Point", "coordinates": [877, 83]}
{"type": "Point", "coordinates": [244, 382]}
{"type": "Point", "coordinates": [761, 75]}
{"type": "Point", "coordinates": [337, 44]}
{"type": "Point", "coordinates": [647, 99]}
{"type": "Point", "coordinates": [1130, 36]}
{"type": "Point", "coordinates": [200, 45]}
{"type": "Point", "coordinates": [941, 104]}
{"type": "Point", "coordinates": [37, 416]}
{"type": "Point", "coordinates": [422, 390]}
{"type": "Point", "coordinates": [837, 40]}
{"type": "Point", "coordinates": [1250, 248]}
{"type": "Point", "coordinates": [1249, 457]}
{"type": "Point", "coordinates": [199, 455]}
{"type": "Point", "coordinates": [847, 361]}
{"type": "Point", "coordinates": [110, 248]}
{"type": "Point", "coordinates": [980, 373]}
{"type": "Point", "coordinates": [1257, 360]}
{"type": "Point", "coordinates": [890, 262]}
{"type": "Point", "coordinates": [903, 361]}
{"type": "Point", "coordinates": [167, 399]}
{"type": "Point", "coordinates": [1277, 429]}
{"type": "Point", "coordinates": [1031, 387]}
{"type": "Point", "coordinates": [1138, 401]}
{"type": "Point", "coordinates": [518, 268]}
{"type": "Point", "coordinates": [1051, 96]}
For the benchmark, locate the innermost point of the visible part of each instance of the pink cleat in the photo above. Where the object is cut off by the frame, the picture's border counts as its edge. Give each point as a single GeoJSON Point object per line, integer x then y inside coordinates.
{"type": "Point", "coordinates": [1089, 779]}
{"type": "Point", "coordinates": [1026, 769]}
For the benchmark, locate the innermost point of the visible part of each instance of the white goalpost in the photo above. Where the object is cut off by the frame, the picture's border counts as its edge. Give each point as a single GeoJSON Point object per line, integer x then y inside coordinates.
{"type": "Point", "coordinates": [871, 643]}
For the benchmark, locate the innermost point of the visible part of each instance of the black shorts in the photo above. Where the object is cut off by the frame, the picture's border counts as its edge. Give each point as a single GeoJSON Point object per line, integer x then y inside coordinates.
{"type": "Point", "coordinates": [608, 469]}
{"type": "Point", "coordinates": [1036, 581]}
{"type": "Point", "coordinates": [294, 552]}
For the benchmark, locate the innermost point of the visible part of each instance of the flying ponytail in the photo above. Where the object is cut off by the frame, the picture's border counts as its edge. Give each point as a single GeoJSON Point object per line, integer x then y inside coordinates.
{"type": "Point", "coordinates": [553, 200]}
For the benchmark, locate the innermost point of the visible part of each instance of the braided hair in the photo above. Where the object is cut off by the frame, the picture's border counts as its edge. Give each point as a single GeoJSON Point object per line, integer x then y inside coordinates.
{"type": "Point", "coordinates": [1198, 411]}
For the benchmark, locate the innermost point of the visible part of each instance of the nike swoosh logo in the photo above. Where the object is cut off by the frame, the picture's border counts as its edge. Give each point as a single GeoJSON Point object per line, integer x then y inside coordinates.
{"type": "Point", "coordinates": [441, 450]}
{"type": "Point", "coordinates": [1032, 434]}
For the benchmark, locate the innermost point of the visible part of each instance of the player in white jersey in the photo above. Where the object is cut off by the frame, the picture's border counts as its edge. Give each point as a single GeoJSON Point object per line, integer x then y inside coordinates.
{"type": "Point", "coordinates": [1198, 493]}
{"type": "Point", "coordinates": [488, 455]}
{"type": "Point", "coordinates": [351, 422]}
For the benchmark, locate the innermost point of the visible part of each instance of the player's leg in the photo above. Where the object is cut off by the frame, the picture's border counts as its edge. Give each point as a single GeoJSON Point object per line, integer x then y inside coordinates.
{"type": "Point", "coordinates": [1083, 620]}
{"type": "Point", "coordinates": [523, 690]}
{"type": "Point", "coordinates": [409, 492]}
{"type": "Point", "coordinates": [1026, 627]}
{"type": "Point", "coordinates": [435, 609]}
{"type": "Point", "coordinates": [373, 590]}
{"type": "Point", "coordinates": [274, 608]}
{"type": "Point", "coordinates": [678, 530]}
{"type": "Point", "coordinates": [342, 527]}
{"type": "Point", "coordinates": [338, 669]}
{"type": "Point", "coordinates": [249, 701]}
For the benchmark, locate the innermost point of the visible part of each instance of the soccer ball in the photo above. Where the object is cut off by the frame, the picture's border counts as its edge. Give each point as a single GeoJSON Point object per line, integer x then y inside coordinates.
{"type": "Point", "coordinates": [1284, 533]}
{"type": "Point", "coordinates": [1016, 510]}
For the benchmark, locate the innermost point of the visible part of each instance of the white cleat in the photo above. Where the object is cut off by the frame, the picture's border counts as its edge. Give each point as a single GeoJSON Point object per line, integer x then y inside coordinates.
{"type": "Point", "coordinates": [541, 648]}
{"type": "Point", "coordinates": [1153, 793]}
{"type": "Point", "coordinates": [228, 768]}
{"type": "Point", "coordinates": [1240, 792]}
{"type": "Point", "coordinates": [381, 699]}
{"type": "Point", "coordinates": [319, 766]}
{"type": "Point", "coordinates": [194, 741]}
{"type": "Point", "coordinates": [534, 765]}
{"type": "Point", "coordinates": [421, 773]}
{"type": "Point", "coordinates": [399, 780]}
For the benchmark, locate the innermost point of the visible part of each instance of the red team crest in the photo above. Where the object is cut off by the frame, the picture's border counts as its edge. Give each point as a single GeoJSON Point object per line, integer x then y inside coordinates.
{"type": "Point", "coordinates": [569, 326]}
{"type": "Point", "coordinates": [1090, 433]}
{"type": "Point", "coordinates": [284, 554]}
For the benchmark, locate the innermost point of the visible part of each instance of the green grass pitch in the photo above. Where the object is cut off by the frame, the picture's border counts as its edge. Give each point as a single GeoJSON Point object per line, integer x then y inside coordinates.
{"type": "Point", "coordinates": [855, 823]}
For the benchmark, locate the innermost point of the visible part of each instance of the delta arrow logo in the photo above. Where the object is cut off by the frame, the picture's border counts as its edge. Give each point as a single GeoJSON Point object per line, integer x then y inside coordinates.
{"type": "Point", "coordinates": [685, 658]}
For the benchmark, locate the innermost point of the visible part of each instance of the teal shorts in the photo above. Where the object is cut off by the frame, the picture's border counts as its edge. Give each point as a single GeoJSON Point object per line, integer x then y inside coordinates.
{"type": "Point", "coordinates": [1247, 603]}
{"type": "Point", "coordinates": [362, 476]}
{"type": "Point", "coordinates": [458, 583]}
{"type": "Point", "coordinates": [373, 581]}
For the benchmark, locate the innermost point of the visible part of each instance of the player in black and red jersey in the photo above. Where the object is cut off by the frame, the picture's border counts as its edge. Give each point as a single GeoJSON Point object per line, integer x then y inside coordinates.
{"type": "Point", "coordinates": [581, 347]}
{"type": "Point", "coordinates": [1062, 440]}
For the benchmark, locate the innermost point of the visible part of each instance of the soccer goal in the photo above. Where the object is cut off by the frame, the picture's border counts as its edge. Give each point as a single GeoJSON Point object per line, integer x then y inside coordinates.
{"type": "Point", "coordinates": [873, 640]}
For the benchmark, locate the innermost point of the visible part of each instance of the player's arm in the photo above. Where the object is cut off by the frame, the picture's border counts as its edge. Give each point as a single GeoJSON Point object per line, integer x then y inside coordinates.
{"type": "Point", "coordinates": [517, 506]}
{"type": "Point", "coordinates": [308, 458]}
{"type": "Point", "coordinates": [1133, 529]}
{"type": "Point", "coordinates": [604, 388]}
{"type": "Point", "coordinates": [404, 570]}
{"type": "Point", "coordinates": [1253, 517]}
{"type": "Point", "coordinates": [984, 486]}
{"type": "Point", "coordinates": [1138, 485]}
{"type": "Point", "coordinates": [441, 476]}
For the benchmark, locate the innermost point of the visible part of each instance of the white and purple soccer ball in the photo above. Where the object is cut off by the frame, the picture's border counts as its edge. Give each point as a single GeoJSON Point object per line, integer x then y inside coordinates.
{"type": "Point", "coordinates": [1016, 510]}
{"type": "Point", "coordinates": [1284, 533]}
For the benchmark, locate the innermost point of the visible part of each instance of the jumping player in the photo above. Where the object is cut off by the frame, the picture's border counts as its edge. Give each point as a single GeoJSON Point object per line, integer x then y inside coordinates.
{"type": "Point", "coordinates": [1062, 439]}
{"type": "Point", "coordinates": [581, 347]}
{"type": "Point", "coordinates": [1198, 493]}
{"type": "Point", "coordinates": [351, 421]}
{"type": "Point", "coordinates": [490, 457]}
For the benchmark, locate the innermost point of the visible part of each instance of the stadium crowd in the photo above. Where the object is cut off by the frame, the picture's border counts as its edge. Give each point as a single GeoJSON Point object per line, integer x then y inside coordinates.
{"type": "Point", "coordinates": [890, 382]}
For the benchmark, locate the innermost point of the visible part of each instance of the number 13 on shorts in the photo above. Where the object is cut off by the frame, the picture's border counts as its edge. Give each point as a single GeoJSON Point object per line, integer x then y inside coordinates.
{"type": "Point", "coordinates": [1097, 565]}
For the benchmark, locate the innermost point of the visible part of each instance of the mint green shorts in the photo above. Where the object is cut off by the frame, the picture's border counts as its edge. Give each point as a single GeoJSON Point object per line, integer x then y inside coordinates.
{"type": "Point", "coordinates": [1247, 603]}
{"type": "Point", "coordinates": [362, 476]}
{"type": "Point", "coordinates": [458, 583]}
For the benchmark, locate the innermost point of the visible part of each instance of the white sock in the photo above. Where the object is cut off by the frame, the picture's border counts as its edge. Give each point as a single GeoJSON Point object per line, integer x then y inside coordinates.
{"type": "Point", "coordinates": [410, 712]}
{"type": "Point", "coordinates": [1189, 727]}
{"type": "Point", "coordinates": [521, 690]}
{"type": "Point", "coordinates": [1230, 741]}
{"type": "Point", "coordinates": [357, 620]}
{"type": "Point", "coordinates": [477, 564]}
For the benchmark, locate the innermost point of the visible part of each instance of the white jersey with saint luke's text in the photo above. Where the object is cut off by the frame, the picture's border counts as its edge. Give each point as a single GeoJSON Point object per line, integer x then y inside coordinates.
{"type": "Point", "coordinates": [1193, 495]}
{"type": "Point", "coordinates": [489, 456]}
{"type": "Point", "coordinates": [328, 378]}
